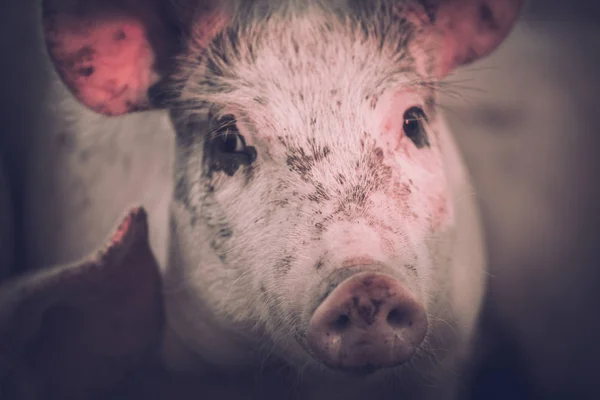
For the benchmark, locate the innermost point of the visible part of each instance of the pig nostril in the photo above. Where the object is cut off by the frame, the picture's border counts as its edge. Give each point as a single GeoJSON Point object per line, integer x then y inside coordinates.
{"type": "Point", "coordinates": [341, 323]}
{"type": "Point", "coordinates": [399, 319]}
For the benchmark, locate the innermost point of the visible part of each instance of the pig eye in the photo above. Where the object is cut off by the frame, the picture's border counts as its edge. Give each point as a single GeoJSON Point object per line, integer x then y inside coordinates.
{"type": "Point", "coordinates": [413, 126]}
{"type": "Point", "coordinates": [231, 142]}
{"type": "Point", "coordinates": [226, 148]}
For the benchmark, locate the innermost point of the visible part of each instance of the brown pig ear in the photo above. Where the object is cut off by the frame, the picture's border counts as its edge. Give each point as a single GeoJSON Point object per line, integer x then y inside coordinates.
{"type": "Point", "coordinates": [70, 332]}
{"type": "Point", "coordinates": [470, 29]}
{"type": "Point", "coordinates": [110, 52]}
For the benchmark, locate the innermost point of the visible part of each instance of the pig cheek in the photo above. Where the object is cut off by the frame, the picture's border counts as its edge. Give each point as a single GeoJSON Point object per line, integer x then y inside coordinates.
{"type": "Point", "coordinates": [441, 213]}
{"type": "Point", "coordinates": [436, 202]}
{"type": "Point", "coordinates": [423, 197]}
{"type": "Point", "coordinates": [108, 64]}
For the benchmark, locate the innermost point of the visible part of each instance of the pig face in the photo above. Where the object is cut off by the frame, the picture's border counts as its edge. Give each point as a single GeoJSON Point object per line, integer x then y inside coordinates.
{"type": "Point", "coordinates": [321, 157]}
{"type": "Point", "coordinates": [309, 150]}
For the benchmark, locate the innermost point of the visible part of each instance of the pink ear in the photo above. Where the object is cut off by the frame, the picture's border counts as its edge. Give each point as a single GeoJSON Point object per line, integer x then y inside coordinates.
{"type": "Point", "coordinates": [110, 52]}
{"type": "Point", "coordinates": [107, 51]}
{"type": "Point", "coordinates": [470, 29]}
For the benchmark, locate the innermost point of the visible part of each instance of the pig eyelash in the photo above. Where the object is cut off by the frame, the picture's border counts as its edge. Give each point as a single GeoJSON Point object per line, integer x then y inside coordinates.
{"type": "Point", "coordinates": [413, 126]}
{"type": "Point", "coordinates": [228, 134]}
{"type": "Point", "coordinates": [225, 147]}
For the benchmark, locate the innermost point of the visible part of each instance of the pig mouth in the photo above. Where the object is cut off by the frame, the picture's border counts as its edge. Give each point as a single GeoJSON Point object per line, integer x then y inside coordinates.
{"type": "Point", "coordinates": [367, 372]}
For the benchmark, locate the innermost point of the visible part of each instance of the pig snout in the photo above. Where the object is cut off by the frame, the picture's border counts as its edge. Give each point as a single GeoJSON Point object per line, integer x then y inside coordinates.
{"type": "Point", "coordinates": [370, 321]}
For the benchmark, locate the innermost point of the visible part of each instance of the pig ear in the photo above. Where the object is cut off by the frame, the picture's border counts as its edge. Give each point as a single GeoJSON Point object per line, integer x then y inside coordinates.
{"type": "Point", "coordinates": [470, 29]}
{"type": "Point", "coordinates": [110, 52]}
{"type": "Point", "coordinates": [71, 331]}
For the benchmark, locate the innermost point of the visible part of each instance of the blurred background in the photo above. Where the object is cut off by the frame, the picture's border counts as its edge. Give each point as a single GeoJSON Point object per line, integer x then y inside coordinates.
{"type": "Point", "coordinates": [527, 119]}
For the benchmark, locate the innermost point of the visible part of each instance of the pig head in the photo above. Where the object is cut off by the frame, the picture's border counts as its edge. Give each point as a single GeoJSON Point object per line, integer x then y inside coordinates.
{"type": "Point", "coordinates": [74, 331]}
{"type": "Point", "coordinates": [320, 202]}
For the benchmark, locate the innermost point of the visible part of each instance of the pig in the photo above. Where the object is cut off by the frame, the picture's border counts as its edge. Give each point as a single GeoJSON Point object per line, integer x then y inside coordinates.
{"type": "Point", "coordinates": [75, 330]}
{"type": "Point", "coordinates": [322, 216]}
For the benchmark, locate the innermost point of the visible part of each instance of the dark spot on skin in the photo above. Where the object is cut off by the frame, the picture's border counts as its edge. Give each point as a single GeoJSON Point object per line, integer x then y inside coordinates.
{"type": "Point", "coordinates": [225, 232]}
{"type": "Point", "coordinates": [319, 265]}
{"type": "Point", "coordinates": [217, 245]}
{"type": "Point", "coordinates": [302, 161]}
{"type": "Point", "coordinates": [86, 71]}
{"type": "Point", "coordinates": [373, 103]}
{"type": "Point", "coordinates": [119, 35]}
{"type": "Point", "coordinates": [411, 267]}
{"type": "Point", "coordinates": [356, 195]}
{"type": "Point", "coordinates": [211, 215]}
{"type": "Point", "coordinates": [261, 100]}
{"type": "Point", "coordinates": [281, 202]}
{"type": "Point", "coordinates": [182, 189]}
{"type": "Point", "coordinates": [371, 175]}
{"type": "Point", "coordinates": [86, 53]}
{"type": "Point", "coordinates": [380, 173]}
{"type": "Point", "coordinates": [320, 194]}
{"type": "Point", "coordinates": [284, 265]}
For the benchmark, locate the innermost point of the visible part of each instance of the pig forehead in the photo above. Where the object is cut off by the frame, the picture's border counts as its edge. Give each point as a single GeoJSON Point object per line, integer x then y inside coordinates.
{"type": "Point", "coordinates": [304, 57]}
